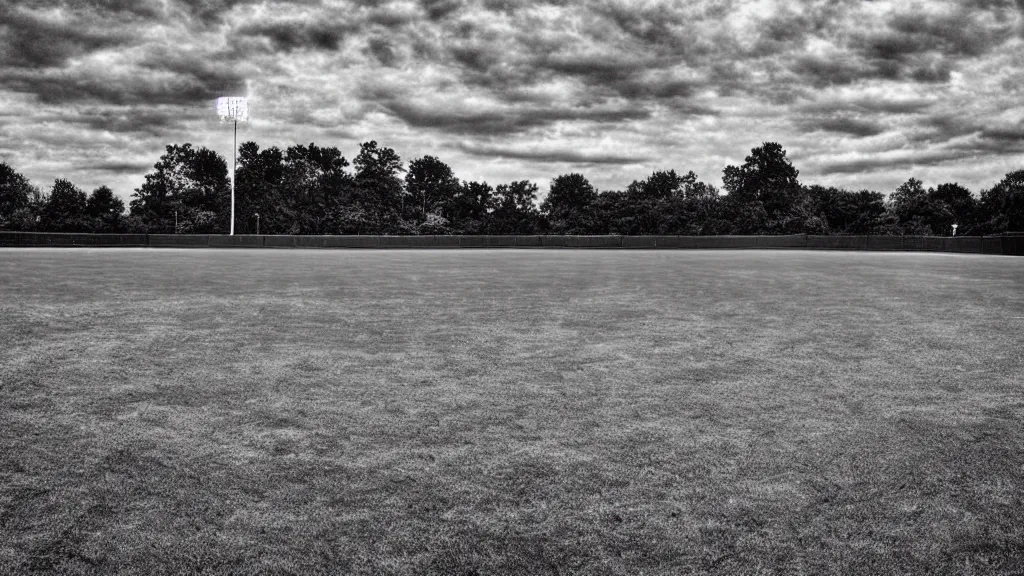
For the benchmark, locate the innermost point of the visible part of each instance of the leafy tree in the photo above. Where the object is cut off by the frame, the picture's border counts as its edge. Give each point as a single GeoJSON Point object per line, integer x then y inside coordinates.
{"type": "Point", "coordinates": [316, 188]}
{"type": "Point", "coordinates": [656, 205]}
{"type": "Point", "coordinates": [614, 214]}
{"type": "Point", "coordinates": [846, 212]}
{"type": "Point", "coordinates": [960, 206]}
{"type": "Point", "coordinates": [259, 190]}
{"type": "Point", "coordinates": [1002, 206]}
{"type": "Point", "coordinates": [468, 210]}
{"type": "Point", "coordinates": [515, 210]}
{"type": "Point", "coordinates": [764, 192]}
{"type": "Point", "coordinates": [65, 209]}
{"type": "Point", "coordinates": [378, 189]}
{"type": "Point", "coordinates": [430, 188]}
{"type": "Point", "coordinates": [748, 217]}
{"type": "Point", "coordinates": [915, 210]}
{"type": "Point", "coordinates": [703, 204]}
{"type": "Point", "coordinates": [105, 210]}
{"type": "Point", "coordinates": [20, 201]}
{"type": "Point", "coordinates": [570, 204]}
{"type": "Point", "coordinates": [189, 186]}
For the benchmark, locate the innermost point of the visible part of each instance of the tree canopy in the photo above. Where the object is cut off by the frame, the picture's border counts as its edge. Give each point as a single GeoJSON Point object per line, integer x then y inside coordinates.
{"type": "Point", "coordinates": [309, 189]}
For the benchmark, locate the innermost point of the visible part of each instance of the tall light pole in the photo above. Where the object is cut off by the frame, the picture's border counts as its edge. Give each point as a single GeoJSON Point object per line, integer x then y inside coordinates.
{"type": "Point", "coordinates": [235, 109]}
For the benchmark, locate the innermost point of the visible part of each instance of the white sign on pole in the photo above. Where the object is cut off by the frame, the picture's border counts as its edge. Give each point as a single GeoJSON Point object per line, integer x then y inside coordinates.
{"type": "Point", "coordinates": [233, 108]}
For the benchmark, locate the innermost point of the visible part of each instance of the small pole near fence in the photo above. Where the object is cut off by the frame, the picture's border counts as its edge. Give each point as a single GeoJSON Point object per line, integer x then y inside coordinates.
{"type": "Point", "coordinates": [257, 223]}
{"type": "Point", "coordinates": [954, 229]}
{"type": "Point", "coordinates": [236, 109]}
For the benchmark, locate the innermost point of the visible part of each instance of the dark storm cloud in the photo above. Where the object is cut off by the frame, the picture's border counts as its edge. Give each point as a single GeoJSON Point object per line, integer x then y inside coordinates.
{"type": "Point", "coordinates": [382, 51]}
{"type": "Point", "coordinates": [289, 35]}
{"type": "Point", "coordinates": [595, 68]}
{"type": "Point", "coordinates": [822, 71]}
{"type": "Point", "coordinates": [440, 9]}
{"type": "Point", "coordinates": [910, 45]}
{"type": "Point", "coordinates": [121, 10]}
{"type": "Point", "coordinates": [115, 167]}
{"type": "Point", "coordinates": [135, 120]}
{"type": "Point", "coordinates": [1009, 134]}
{"type": "Point", "coordinates": [551, 156]}
{"type": "Point", "coordinates": [459, 121]}
{"type": "Point", "coordinates": [959, 33]}
{"type": "Point", "coordinates": [657, 26]}
{"type": "Point", "coordinates": [941, 127]}
{"type": "Point", "coordinates": [30, 40]}
{"type": "Point", "coordinates": [150, 85]}
{"type": "Point", "coordinates": [880, 106]}
{"type": "Point", "coordinates": [842, 125]}
{"type": "Point", "coordinates": [882, 162]}
{"type": "Point", "coordinates": [208, 12]}
{"type": "Point", "coordinates": [507, 119]}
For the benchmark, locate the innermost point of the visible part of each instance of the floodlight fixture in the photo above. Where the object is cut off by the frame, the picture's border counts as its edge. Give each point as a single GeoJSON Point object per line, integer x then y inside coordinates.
{"type": "Point", "coordinates": [233, 109]}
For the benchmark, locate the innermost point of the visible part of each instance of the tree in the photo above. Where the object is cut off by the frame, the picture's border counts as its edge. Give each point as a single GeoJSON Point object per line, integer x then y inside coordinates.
{"type": "Point", "coordinates": [703, 204]}
{"type": "Point", "coordinates": [378, 188]}
{"type": "Point", "coordinates": [259, 190]}
{"type": "Point", "coordinates": [515, 211]}
{"type": "Point", "coordinates": [316, 188]}
{"type": "Point", "coordinates": [764, 192]}
{"type": "Point", "coordinates": [468, 211]}
{"type": "Point", "coordinates": [960, 207]}
{"type": "Point", "coordinates": [614, 214]}
{"type": "Point", "coordinates": [430, 188]}
{"type": "Point", "coordinates": [20, 201]}
{"type": "Point", "coordinates": [915, 210]}
{"type": "Point", "coordinates": [65, 209]}
{"type": "Point", "coordinates": [189, 186]}
{"type": "Point", "coordinates": [1002, 206]}
{"type": "Point", "coordinates": [104, 210]}
{"type": "Point", "coordinates": [655, 205]}
{"type": "Point", "coordinates": [845, 212]}
{"type": "Point", "coordinates": [569, 205]}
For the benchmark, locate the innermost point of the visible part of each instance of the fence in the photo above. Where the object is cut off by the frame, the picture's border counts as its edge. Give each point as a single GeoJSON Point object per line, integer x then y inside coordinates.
{"type": "Point", "coordinates": [1003, 244]}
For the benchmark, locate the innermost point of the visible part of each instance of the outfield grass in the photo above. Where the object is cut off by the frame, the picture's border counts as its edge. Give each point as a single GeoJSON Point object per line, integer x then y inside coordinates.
{"type": "Point", "coordinates": [510, 412]}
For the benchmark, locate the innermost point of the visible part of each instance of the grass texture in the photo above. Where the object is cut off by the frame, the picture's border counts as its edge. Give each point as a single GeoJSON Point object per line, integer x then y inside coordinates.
{"type": "Point", "coordinates": [510, 412]}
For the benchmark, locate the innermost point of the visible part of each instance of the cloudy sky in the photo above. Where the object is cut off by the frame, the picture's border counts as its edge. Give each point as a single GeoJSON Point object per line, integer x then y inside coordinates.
{"type": "Point", "coordinates": [862, 94]}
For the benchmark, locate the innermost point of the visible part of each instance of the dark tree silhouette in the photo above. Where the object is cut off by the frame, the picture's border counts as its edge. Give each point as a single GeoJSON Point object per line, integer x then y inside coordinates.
{"type": "Point", "coordinates": [1002, 206]}
{"type": "Point", "coordinates": [66, 209]}
{"type": "Point", "coordinates": [430, 188]}
{"type": "Point", "coordinates": [845, 212]}
{"type": "Point", "coordinates": [379, 190]}
{"type": "Point", "coordinates": [20, 202]}
{"type": "Point", "coordinates": [468, 211]}
{"type": "Point", "coordinates": [188, 188]}
{"type": "Point", "coordinates": [515, 210]}
{"type": "Point", "coordinates": [104, 210]}
{"type": "Point", "coordinates": [764, 193]}
{"type": "Point", "coordinates": [570, 205]}
{"type": "Point", "coordinates": [308, 189]}
{"type": "Point", "coordinates": [259, 191]}
{"type": "Point", "coordinates": [915, 210]}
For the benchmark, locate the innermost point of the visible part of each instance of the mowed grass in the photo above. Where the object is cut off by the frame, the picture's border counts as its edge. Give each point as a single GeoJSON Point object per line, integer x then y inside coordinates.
{"type": "Point", "coordinates": [510, 412]}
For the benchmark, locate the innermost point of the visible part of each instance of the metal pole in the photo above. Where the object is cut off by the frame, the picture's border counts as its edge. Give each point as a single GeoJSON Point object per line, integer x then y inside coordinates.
{"type": "Point", "coordinates": [257, 223]}
{"type": "Point", "coordinates": [234, 153]}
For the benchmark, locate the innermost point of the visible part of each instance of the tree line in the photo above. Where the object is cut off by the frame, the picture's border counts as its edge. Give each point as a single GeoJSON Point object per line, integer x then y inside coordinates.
{"type": "Point", "coordinates": [315, 190]}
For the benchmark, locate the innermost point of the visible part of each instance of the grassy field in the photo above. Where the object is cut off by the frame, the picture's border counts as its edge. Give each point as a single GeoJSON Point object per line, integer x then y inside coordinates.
{"type": "Point", "coordinates": [510, 412]}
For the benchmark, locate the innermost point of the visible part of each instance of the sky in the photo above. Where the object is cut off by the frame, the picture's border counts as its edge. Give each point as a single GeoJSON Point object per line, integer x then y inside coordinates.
{"type": "Point", "coordinates": [862, 94]}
